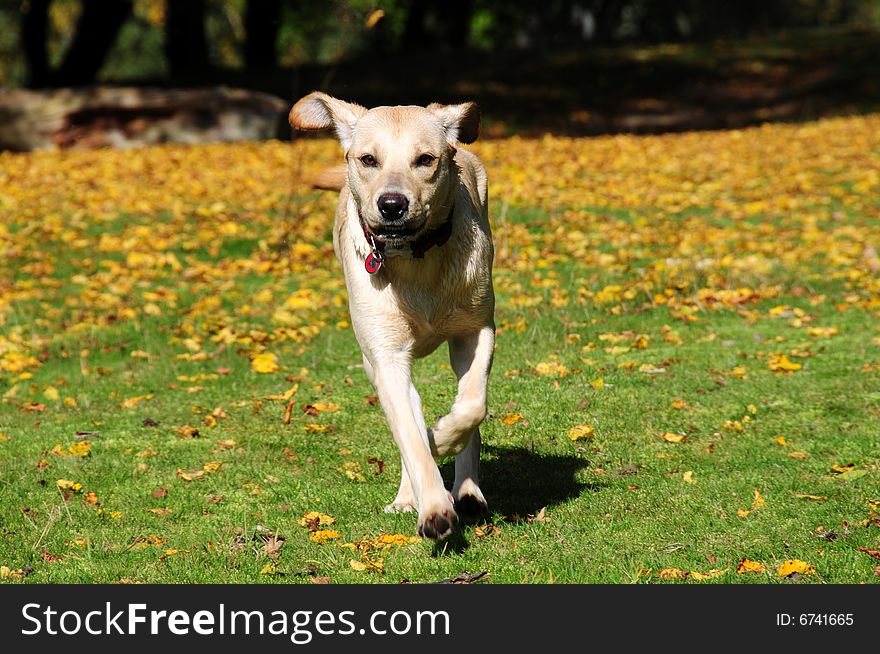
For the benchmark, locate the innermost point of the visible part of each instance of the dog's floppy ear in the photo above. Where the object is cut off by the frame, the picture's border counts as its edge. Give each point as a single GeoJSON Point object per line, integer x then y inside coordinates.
{"type": "Point", "coordinates": [319, 111]}
{"type": "Point", "coordinates": [462, 121]}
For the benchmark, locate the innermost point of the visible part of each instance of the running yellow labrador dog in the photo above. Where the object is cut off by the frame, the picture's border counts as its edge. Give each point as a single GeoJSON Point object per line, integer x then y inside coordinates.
{"type": "Point", "coordinates": [412, 235]}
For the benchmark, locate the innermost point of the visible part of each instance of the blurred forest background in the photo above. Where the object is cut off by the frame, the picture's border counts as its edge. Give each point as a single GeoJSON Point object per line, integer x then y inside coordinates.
{"type": "Point", "coordinates": [571, 66]}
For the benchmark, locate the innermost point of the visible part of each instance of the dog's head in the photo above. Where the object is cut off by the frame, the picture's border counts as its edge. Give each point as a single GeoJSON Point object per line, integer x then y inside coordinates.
{"type": "Point", "coordinates": [400, 163]}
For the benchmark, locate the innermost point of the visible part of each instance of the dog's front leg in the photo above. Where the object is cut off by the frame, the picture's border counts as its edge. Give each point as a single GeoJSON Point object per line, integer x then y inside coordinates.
{"type": "Point", "coordinates": [458, 431]}
{"type": "Point", "coordinates": [391, 376]}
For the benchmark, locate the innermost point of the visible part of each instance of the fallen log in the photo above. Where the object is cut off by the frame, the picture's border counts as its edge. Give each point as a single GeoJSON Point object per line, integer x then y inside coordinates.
{"type": "Point", "coordinates": [123, 117]}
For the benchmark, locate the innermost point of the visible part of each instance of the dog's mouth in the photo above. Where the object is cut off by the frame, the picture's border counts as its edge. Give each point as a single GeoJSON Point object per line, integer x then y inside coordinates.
{"type": "Point", "coordinates": [396, 233]}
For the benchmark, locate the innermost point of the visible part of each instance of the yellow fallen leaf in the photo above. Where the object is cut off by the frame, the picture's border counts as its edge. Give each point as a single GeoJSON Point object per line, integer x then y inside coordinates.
{"type": "Point", "coordinates": [268, 569]}
{"type": "Point", "coordinates": [746, 566]}
{"type": "Point", "coordinates": [212, 466]}
{"type": "Point", "coordinates": [190, 475]}
{"type": "Point", "coordinates": [324, 407]}
{"type": "Point", "coordinates": [51, 393]}
{"type": "Point", "coordinates": [739, 372]}
{"type": "Point", "coordinates": [759, 500]}
{"type": "Point", "coordinates": [286, 395]}
{"type": "Point", "coordinates": [66, 484]}
{"type": "Point", "coordinates": [671, 437]}
{"type": "Point", "coordinates": [800, 456]}
{"type": "Point", "coordinates": [550, 369]}
{"type": "Point", "coordinates": [265, 362]}
{"type": "Point", "coordinates": [81, 448]}
{"type": "Point", "coordinates": [7, 572]}
{"type": "Point", "coordinates": [132, 402]}
{"type": "Point", "coordinates": [672, 573]}
{"type": "Point", "coordinates": [376, 564]}
{"type": "Point", "coordinates": [511, 419]}
{"type": "Point", "coordinates": [353, 470]}
{"type": "Point", "coordinates": [310, 518]}
{"type": "Point", "coordinates": [187, 431]}
{"type": "Point", "coordinates": [318, 428]}
{"type": "Point", "coordinates": [781, 363]}
{"type": "Point", "coordinates": [486, 531]}
{"type": "Point", "coordinates": [579, 432]}
{"type": "Point", "coordinates": [598, 383]}
{"type": "Point", "coordinates": [323, 536]}
{"type": "Point", "coordinates": [780, 441]}
{"type": "Point", "coordinates": [703, 576]}
{"type": "Point", "coordinates": [396, 539]}
{"type": "Point", "coordinates": [679, 405]}
{"type": "Point", "coordinates": [823, 332]}
{"type": "Point", "coordinates": [357, 565]}
{"type": "Point", "coordinates": [793, 566]}
{"type": "Point", "coordinates": [689, 477]}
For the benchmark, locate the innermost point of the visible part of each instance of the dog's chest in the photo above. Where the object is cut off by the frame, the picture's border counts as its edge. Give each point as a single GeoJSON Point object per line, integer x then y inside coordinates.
{"type": "Point", "coordinates": [436, 313]}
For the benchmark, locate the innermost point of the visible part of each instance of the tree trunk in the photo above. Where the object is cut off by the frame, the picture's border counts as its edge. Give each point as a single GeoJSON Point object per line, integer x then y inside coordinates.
{"type": "Point", "coordinates": [261, 22]}
{"type": "Point", "coordinates": [96, 32]}
{"type": "Point", "coordinates": [34, 36]}
{"type": "Point", "coordinates": [457, 17]}
{"type": "Point", "coordinates": [415, 32]}
{"type": "Point", "coordinates": [186, 44]}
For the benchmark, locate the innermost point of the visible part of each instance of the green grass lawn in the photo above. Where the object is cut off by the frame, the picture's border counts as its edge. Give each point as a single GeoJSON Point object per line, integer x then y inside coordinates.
{"type": "Point", "coordinates": [712, 320]}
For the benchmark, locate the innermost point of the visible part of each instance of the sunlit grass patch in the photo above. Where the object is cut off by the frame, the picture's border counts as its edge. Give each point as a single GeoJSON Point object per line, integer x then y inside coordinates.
{"type": "Point", "coordinates": [700, 309]}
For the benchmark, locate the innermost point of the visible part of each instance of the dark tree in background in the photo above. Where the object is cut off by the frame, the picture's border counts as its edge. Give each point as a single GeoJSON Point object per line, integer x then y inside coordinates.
{"type": "Point", "coordinates": [201, 41]}
{"type": "Point", "coordinates": [34, 39]}
{"type": "Point", "coordinates": [430, 23]}
{"type": "Point", "coordinates": [94, 35]}
{"type": "Point", "coordinates": [261, 23]}
{"type": "Point", "coordinates": [186, 43]}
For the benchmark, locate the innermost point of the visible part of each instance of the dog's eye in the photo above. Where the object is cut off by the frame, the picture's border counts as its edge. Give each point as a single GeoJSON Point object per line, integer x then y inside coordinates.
{"type": "Point", "coordinates": [369, 160]}
{"type": "Point", "coordinates": [425, 160]}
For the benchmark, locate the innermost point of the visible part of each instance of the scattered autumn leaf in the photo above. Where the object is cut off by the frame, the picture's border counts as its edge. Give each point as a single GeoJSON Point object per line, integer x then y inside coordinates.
{"type": "Point", "coordinates": [581, 432]}
{"type": "Point", "coordinates": [792, 566]}
{"type": "Point", "coordinates": [265, 362]}
{"type": "Point", "coordinates": [511, 418]}
{"type": "Point", "coordinates": [746, 566]}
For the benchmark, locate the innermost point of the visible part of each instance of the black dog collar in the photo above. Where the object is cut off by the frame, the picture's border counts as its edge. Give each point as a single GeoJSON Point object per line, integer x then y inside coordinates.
{"type": "Point", "coordinates": [414, 249]}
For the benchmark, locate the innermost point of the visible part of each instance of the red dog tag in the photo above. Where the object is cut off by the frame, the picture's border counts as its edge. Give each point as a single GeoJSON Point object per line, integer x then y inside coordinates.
{"type": "Point", "coordinates": [372, 263]}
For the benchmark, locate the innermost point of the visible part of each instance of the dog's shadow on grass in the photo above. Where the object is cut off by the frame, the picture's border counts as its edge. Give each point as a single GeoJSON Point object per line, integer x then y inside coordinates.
{"type": "Point", "coordinates": [518, 483]}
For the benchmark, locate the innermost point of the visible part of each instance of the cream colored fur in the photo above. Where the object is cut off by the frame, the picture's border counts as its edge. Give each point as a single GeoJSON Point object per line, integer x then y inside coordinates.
{"type": "Point", "coordinates": [412, 306]}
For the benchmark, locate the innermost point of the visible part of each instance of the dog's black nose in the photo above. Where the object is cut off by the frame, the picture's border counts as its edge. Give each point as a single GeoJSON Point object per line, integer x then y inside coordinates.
{"type": "Point", "coordinates": [392, 206]}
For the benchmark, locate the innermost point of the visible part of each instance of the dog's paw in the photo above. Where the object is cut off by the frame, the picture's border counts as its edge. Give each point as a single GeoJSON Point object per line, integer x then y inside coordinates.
{"type": "Point", "coordinates": [439, 522]}
{"type": "Point", "coordinates": [471, 508]}
{"type": "Point", "coordinates": [470, 503]}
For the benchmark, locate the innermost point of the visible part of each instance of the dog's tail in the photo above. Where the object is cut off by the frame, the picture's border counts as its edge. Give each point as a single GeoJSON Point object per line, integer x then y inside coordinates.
{"type": "Point", "coordinates": [331, 179]}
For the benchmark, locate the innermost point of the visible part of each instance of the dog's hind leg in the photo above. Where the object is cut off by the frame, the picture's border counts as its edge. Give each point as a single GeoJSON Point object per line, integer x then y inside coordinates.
{"type": "Point", "coordinates": [469, 501]}
{"type": "Point", "coordinates": [458, 431]}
